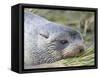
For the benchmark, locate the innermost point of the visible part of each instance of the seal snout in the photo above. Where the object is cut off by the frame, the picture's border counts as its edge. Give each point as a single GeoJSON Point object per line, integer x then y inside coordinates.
{"type": "Point", "coordinates": [73, 50]}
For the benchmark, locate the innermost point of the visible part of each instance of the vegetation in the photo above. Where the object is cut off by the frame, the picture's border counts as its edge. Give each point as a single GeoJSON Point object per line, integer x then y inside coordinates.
{"type": "Point", "coordinates": [85, 59]}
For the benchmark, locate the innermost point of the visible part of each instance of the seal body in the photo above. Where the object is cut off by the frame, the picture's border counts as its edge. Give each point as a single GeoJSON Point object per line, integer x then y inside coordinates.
{"type": "Point", "coordinates": [47, 42]}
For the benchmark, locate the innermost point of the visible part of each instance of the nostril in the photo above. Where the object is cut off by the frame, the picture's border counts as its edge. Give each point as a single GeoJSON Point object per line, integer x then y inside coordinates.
{"type": "Point", "coordinates": [81, 50]}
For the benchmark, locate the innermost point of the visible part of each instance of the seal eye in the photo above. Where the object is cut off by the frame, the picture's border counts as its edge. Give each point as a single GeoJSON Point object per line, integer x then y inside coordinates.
{"type": "Point", "coordinates": [63, 41]}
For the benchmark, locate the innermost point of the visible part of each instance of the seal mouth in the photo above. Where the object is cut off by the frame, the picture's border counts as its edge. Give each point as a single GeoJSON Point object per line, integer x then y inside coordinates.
{"type": "Point", "coordinates": [70, 54]}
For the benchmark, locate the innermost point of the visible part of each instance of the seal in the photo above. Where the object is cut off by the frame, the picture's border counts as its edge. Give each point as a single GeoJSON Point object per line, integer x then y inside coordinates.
{"type": "Point", "coordinates": [48, 42]}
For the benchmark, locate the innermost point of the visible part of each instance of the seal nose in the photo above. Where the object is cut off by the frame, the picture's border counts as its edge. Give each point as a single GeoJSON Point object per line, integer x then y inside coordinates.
{"type": "Point", "coordinates": [81, 50]}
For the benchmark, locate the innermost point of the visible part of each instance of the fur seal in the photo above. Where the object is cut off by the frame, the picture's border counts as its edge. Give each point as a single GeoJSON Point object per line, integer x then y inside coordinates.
{"type": "Point", "coordinates": [48, 42]}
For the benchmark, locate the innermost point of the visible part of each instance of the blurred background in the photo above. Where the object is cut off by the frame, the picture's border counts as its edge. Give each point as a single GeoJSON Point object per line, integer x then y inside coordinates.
{"type": "Point", "coordinates": [82, 21]}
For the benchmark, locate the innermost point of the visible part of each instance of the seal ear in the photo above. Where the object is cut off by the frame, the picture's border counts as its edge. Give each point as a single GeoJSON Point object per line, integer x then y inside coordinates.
{"type": "Point", "coordinates": [44, 34]}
